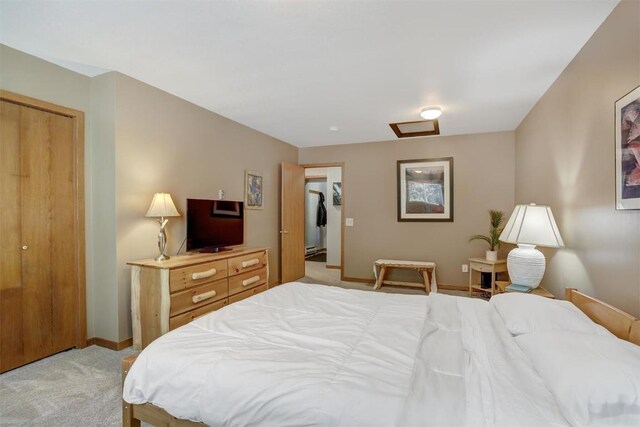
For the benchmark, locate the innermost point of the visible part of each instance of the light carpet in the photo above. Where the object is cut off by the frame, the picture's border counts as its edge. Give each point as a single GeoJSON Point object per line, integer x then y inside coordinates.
{"type": "Point", "coordinates": [72, 388]}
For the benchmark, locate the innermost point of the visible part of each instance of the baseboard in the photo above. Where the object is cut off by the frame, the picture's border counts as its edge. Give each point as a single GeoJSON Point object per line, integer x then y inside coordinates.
{"type": "Point", "coordinates": [111, 345]}
{"type": "Point", "coordinates": [443, 286]}
{"type": "Point", "coordinates": [357, 280]}
{"type": "Point", "coordinates": [453, 287]}
{"type": "Point", "coordinates": [337, 267]}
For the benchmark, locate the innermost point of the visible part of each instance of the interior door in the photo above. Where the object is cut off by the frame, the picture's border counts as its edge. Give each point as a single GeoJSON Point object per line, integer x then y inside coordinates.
{"type": "Point", "coordinates": [38, 247]}
{"type": "Point", "coordinates": [292, 223]}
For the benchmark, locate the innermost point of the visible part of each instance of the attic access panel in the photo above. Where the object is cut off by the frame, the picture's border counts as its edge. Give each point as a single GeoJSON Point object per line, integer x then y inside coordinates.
{"type": "Point", "coordinates": [419, 128]}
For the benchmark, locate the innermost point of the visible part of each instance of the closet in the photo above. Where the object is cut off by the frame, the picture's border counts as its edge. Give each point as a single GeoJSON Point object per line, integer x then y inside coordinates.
{"type": "Point", "coordinates": [42, 275]}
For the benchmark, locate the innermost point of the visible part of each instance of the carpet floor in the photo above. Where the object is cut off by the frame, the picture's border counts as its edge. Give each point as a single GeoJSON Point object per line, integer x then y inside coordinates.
{"type": "Point", "coordinates": [82, 387]}
{"type": "Point", "coordinates": [72, 388]}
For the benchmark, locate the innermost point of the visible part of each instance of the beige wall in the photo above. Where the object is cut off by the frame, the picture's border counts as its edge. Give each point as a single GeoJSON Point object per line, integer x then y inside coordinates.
{"type": "Point", "coordinates": [27, 75]}
{"type": "Point", "coordinates": [565, 158]}
{"type": "Point", "coordinates": [140, 140]}
{"type": "Point", "coordinates": [166, 144]}
{"type": "Point", "coordinates": [103, 219]}
{"type": "Point", "coordinates": [483, 180]}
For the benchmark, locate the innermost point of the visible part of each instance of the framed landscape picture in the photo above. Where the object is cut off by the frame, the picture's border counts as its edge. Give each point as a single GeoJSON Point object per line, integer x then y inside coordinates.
{"type": "Point", "coordinates": [425, 190]}
{"type": "Point", "coordinates": [253, 190]}
{"type": "Point", "coordinates": [627, 128]}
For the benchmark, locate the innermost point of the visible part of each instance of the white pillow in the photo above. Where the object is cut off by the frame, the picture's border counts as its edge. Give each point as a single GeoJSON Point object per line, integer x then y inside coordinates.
{"type": "Point", "coordinates": [526, 313]}
{"type": "Point", "coordinates": [595, 379]}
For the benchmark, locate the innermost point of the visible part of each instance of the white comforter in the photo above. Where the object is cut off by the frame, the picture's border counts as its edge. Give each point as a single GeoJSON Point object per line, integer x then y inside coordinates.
{"type": "Point", "coordinates": [312, 355]}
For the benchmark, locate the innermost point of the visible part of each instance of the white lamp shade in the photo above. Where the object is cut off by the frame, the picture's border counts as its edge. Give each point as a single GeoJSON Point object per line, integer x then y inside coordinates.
{"type": "Point", "coordinates": [532, 225]}
{"type": "Point", "coordinates": [162, 206]}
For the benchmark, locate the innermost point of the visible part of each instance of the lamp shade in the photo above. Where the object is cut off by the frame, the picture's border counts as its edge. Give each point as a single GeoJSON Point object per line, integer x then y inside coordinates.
{"type": "Point", "coordinates": [532, 225]}
{"type": "Point", "coordinates": [162, 206]}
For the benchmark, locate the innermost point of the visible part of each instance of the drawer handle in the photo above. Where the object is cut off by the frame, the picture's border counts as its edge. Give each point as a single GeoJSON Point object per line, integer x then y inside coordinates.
{"type": "Point", "coordinates": [204, 274]}
{"type": "Point", "coordinates": [250, 262]}
{"type": "Point", "coordinates": [203, 296]}
{"type": "Point", "coordinates": [250, 280]}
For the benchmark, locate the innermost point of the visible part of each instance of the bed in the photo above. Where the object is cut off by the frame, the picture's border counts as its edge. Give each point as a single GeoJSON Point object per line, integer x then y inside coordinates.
{"type": "Point", "coordinates": [303, 354]}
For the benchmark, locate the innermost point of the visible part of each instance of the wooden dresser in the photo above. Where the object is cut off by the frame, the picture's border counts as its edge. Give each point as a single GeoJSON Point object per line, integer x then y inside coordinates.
{"type": "Point", "coordinates": [166, 295]}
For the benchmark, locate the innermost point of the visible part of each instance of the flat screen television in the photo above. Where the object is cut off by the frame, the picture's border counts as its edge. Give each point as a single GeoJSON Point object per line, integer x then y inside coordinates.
{"type": "Point", "coordinates": [213, 225]}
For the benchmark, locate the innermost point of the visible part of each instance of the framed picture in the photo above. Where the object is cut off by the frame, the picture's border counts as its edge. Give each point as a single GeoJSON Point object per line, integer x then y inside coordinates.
{"type": "Point", "coordinates": [425, 190]}
{"type": "Point", "coordinates": [253, 190]}
{"type": "Point", "coordinates": [628, 150]}
{"type": "Point", "coordinates": [226, 209]}
{"type": "Point", "coordinates": [337, 193]}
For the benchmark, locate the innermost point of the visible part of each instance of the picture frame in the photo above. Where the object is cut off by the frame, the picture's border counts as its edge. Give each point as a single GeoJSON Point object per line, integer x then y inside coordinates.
{"type": "Point", "coordinates": [425, 190]}
{"type": "Point", "coordinates": [337, 194]}
{"type": "Point", "coordinates": [627, 150]}
{"type": "Point", "coordinates": [253, 190]}
{"type": "Point", "coordinates": [226, 209]}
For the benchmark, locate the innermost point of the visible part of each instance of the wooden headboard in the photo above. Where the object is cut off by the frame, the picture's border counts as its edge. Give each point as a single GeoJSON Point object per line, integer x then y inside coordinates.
{"type": "Point", "coordinates": [619, 323]}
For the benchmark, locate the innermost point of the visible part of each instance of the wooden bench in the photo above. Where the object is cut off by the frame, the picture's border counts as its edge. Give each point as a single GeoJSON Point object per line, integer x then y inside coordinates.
{"type": "Point", "coordinates": [426, 269]}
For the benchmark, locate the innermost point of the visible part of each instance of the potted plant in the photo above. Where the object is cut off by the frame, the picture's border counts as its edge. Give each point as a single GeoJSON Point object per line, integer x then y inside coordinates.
{"type": "Point", "coordinates": [494, 235]}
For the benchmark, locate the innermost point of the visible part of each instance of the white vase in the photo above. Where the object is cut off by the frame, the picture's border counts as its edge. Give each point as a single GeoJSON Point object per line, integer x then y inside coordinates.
{"type": "Point", "coordinates": [526, 265]}
{"type": "Point", "coordinates": [492, 255]}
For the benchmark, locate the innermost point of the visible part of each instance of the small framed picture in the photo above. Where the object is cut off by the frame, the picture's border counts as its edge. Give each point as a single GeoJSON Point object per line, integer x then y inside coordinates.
{"type": "Point", "coordinates": [425, 190]}
{"type": "Point", "coordinates": [627, 125]}
{"type": "Point", "coordinates": [253, 198]}
{"type": "Point", "coordinates": [337, 193]}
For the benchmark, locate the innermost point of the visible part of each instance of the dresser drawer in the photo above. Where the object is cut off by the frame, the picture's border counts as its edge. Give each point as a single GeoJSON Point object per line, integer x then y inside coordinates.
{"type": "Point", "coordinates": [247, 280]}
{"type": "Point", "coordinates": [184, 318]}
{"type": "Point", "coordinates": [247, 263]}
{"type": "Point", "coordinates": [184, 278]}
{"type": "Point", "coordinates": [247, 294]}
{"type": "Point", "coordinates": [198, 296]}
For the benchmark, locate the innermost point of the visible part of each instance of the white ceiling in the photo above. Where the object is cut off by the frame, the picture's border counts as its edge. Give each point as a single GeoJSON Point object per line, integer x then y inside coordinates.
{"type": "Point", "coordinates": [292, 69]}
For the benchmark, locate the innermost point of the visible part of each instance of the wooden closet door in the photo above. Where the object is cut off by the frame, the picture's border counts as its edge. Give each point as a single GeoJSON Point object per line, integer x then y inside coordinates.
{"type": "Point", "coordinates": [64, 240]}
{"type": "Point", "coordinates": [11, 339]}
{"type": "Point", "coordinates": [39, 291]}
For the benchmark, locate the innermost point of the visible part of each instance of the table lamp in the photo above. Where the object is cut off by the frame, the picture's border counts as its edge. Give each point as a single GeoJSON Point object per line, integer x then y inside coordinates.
{"type": "Point", "coordinates": [530, 226]}
{"type": "Point", "coordinates": [161, 207]}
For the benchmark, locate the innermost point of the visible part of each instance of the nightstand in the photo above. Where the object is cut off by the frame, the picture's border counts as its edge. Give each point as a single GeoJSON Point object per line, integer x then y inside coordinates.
{"type": "Point", "coordinates": [540, 291]}
{"type": "Point", "coordinates": [481, 265]}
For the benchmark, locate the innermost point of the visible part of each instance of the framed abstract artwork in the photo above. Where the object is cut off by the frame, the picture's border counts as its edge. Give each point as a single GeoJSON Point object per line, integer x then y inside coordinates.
{"type": "Point", "coordinates": [425, 190]}
{"type": "Point", "coordinates": [627, 139]}
{"type": "Point", "coordinates": [253, 196]}
{"type": "Point", "coordinates": [337, 193]}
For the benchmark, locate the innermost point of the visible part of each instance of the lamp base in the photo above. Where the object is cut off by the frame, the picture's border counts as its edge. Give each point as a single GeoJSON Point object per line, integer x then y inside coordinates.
{"type": "Point", "coordinates": [162, 241]}
{"type": "Point", "coordinates": [526, 265]}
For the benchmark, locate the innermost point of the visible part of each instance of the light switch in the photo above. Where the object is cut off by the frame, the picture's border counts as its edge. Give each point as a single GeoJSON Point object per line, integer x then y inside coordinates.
{"type": "Point", "coordinates": [349, 222]}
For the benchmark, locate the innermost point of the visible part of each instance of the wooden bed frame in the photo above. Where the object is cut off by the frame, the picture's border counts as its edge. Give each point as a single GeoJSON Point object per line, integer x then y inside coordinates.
{"type": "Point", "coordinates": [619, 323]}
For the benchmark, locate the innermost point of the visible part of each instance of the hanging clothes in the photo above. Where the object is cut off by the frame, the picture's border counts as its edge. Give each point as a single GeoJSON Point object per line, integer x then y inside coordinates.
{"type": "Point", "coordinates": [321, 213]}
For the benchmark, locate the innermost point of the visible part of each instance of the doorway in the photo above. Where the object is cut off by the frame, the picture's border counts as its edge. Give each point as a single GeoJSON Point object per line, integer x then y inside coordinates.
{"type": "Point", "coordinates": [323, 222]}
{"type": "Point", "coordinates": [300, 236]}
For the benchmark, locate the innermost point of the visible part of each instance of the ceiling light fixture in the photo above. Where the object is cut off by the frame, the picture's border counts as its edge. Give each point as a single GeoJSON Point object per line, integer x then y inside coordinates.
{"type": "Point", "coordinates": [334, 128]}
{"type": "Point", "coordinates": [430, 113]}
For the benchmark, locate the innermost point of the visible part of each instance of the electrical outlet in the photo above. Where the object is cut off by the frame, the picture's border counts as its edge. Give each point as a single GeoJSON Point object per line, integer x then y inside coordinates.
{"type": "Point", "coordinates": [465, 268]}
{"type": "Point", "coordinates": [349, 222]}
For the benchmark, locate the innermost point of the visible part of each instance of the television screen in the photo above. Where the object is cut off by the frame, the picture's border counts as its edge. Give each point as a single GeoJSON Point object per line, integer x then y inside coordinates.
{"type": "Point", "coordinates": [214, 224]}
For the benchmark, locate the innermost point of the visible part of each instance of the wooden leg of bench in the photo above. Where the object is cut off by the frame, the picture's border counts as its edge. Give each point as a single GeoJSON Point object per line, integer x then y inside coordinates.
{"type": "Point", "coordinates": [127, 410]}
{"type": "Point", "coordinates": [426, 276]}
{"type": "Point", "coordinates": [383, 270]}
